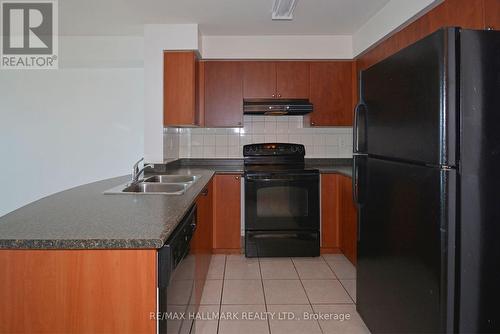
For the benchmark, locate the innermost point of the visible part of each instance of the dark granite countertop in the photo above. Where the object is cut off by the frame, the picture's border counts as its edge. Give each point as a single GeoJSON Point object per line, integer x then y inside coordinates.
{"type": "Point", "coordinates": [220, 166]}
{"type": "Point", "coordinates": [85, 218]}
{"type": "Point", "coordinates": [341, 166]}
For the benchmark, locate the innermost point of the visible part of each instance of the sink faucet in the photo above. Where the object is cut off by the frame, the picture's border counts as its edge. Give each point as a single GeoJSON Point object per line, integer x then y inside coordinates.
{"type": "Point", "coordinates": [136, 172]}
{"type": "Point", "coordinates": [135, 169]}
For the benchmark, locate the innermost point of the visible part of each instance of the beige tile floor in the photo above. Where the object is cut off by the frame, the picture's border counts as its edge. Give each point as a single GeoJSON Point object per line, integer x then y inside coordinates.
{"type": "Point", "coordinates": [276, 295]}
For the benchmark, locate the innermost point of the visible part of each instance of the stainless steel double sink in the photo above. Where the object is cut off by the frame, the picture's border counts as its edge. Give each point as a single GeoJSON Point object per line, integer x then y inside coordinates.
{"type": "Point", "coordinates": [157, 184]}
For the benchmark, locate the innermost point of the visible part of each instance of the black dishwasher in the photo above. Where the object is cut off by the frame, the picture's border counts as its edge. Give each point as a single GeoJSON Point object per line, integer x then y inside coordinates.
{"type": "Point", "coordinates": [176, 279]}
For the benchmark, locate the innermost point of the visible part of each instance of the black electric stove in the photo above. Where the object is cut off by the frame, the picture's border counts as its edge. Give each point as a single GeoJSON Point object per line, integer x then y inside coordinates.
{"type": "Point", "coordinates": [281, 202]}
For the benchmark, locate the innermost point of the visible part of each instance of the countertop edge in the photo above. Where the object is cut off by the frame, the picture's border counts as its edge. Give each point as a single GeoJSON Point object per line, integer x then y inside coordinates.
{"type": "Point", "coordinates": [79, 244]}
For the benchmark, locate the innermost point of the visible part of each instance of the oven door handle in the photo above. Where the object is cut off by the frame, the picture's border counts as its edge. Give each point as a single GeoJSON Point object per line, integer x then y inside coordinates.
{"type": "Point", "coordinates": [276, 236]}
{"type": "Point", "coordinates": [272, 179]}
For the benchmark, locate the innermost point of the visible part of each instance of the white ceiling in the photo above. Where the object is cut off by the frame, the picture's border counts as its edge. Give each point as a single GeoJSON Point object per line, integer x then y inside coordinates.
{"type": "Point", "coordinates": [215, 17]}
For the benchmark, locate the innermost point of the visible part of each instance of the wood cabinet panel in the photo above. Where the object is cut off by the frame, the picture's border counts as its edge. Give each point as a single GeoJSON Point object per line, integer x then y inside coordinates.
{"type": "Point", "coordinates": [200, 92]}
{"type": "Point", "coordinates": [492, 14]}
{"type": "Point", "coordinates": [348, 219]}
{"type": "Point", "coordinates": [331, 93]}
{"type": "Point", "coordinates": [259, 79]}
{"type": "Point", "coordinates": [338, 216]}
{"type": "Point", "coordinates": [180, 88]}
{"type": "Point", "coordinates": [330, 213]}
{"type": "Point", "coordinates": [354, 86]}
{"type": "Point", "coordinates": [201, 244]}
{"type": "Point", "coordinates": [223, 94]}
{"type": "Point", "coordinates": [202, 238]}
{"type": "Point", "coordinates": [77, 291]}
{"type": "Point", "coordinates": [227, 213]}
{"type": "Point", "coordinates": [461, 13]}
{"type": "Point", "coordinates": [292, 79]}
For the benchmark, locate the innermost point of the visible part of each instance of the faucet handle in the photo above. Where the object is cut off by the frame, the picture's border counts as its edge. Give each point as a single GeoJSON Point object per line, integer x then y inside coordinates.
{"type": "Point", "coordinates": [135, 177]}
{"type": "Point", "coordinates": [136, 165]}
{"type": "Point", "coordinates": [135, 168]}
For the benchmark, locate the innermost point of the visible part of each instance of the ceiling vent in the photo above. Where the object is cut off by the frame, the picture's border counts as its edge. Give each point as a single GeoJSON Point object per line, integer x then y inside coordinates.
{"type": "Point", "coordinates": [283, 9]}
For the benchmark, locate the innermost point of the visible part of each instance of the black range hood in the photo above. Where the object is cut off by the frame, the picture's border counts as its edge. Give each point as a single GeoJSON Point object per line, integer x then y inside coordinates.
{"type": "Point", "coordinates": [276, 107]}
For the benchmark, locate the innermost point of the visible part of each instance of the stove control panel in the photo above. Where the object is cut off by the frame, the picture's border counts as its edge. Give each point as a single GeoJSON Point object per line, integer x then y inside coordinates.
{"type": "Point", "coordinates": [274, 149]}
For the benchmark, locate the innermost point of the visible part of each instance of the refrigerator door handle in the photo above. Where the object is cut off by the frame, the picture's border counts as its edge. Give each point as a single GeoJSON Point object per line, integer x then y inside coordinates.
{"type": "Point", "coordinates": [355, 130]}
{"type": "Point", "coordinates": [355, 181]}
{"type": "Point", "coordinates": [359, 129]}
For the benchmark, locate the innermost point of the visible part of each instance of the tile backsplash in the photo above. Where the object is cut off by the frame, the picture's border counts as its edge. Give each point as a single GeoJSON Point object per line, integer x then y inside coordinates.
{"type": "Point", "coordinates": [328, 142]}
{"type": "Point", "coordinates": [171, 137]}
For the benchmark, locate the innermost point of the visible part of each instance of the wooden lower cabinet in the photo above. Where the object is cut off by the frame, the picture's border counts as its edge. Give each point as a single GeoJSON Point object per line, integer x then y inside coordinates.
{"type": "Point", "coordinates": [330, 227]}
{"type": "Point", "coordinates": [109, 290]}
{"type": "Point", "coordinates": [201, 245]}
{"type": "Point", "coordinates": [348, 219]}
{"type": "Point", "coordinates": [338, 216]}
{"type": "Point", "coordinates": [227, 213]}
{"type": "Point", "coordinates": [77, 291]}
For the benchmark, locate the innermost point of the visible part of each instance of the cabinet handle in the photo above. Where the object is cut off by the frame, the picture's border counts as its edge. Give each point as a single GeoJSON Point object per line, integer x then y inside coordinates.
{"type": "Point", "coordinates": [204, 192]}
{"type": "Point", "coordinates": [236, 177]}
{"type": "Point", "coordinates": [274, 95]}
{"type": "Point", "coordinates": [312, 123]}
{"type": "Point", "coordinates": [279, 95]}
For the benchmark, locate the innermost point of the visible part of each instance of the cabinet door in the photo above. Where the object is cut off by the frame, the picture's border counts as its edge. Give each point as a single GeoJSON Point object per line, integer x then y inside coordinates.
{"type": "Point", "coordinates": [201, 245]}
{"type": "Point", "coordinates": [179, 88]}
{"type": "Point", "coordinates": [223, 94]}
{"type": "Point", "coordinates": [200, 93]}
{"type": "Point", "coordinates": [492, 14]}
{"type": "Point", "coordinates": [78, 290]}
{"type": "Point", "coordinates": [227, 213]}
{"type": "Point", "coordinates": [348, 220]}
{"type": "Point", "coordinates": [292, 79]}
{"type": "Point", "coordinates": [259, 79]}
{"type": "Point", "coordinates": [331, 93]}
{"type": "Point", "coordinates": [330, 204]}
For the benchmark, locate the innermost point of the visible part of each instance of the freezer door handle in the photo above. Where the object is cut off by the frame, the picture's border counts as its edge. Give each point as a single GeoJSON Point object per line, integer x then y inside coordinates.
{"type": "Point", "coordinates": [355, 130]}
{"type": "Point", "coordinates": [359, 131]}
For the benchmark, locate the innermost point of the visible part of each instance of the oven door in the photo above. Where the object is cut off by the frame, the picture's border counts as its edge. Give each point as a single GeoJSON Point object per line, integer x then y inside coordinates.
{"type": "Point", "coordinates": [282, 201]}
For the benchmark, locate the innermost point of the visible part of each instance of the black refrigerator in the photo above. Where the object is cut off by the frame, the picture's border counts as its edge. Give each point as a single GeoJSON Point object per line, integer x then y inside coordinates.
{"type": "Point", "coordinates": [426, 179]}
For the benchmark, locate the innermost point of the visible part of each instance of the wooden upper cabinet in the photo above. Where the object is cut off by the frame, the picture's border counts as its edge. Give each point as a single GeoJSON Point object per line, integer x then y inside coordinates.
{"type": "Point", "coordinates": [292, 79]}
{"type": "Point", "coordinates": [227, 213]}
{"type": "Point", "coordinates": [223, 93]}
{"type": "Point", "coordinates": [492, 14]}
{"type": "Point", "coordinates": [276, 79]}
{"type": "Point", "coordinates": [180, 89]}
{"type": "Point", "coordinates": [331, 93]}
{"type": "Point", "coordinates": [259, 79]}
